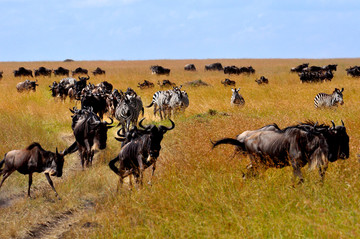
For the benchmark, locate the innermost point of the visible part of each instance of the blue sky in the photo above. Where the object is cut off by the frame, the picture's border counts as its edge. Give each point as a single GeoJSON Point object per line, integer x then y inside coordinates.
{"type": "Point", "coordinates": [34, 30]}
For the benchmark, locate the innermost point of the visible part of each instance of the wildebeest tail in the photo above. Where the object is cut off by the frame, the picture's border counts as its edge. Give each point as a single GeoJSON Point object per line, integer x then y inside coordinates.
{"type": "Point", "coordinates": [113, 167]}
{"type": "Point", "coordinates": [227, 141]}
{"type": "Point", "coordinates": [2, 163]}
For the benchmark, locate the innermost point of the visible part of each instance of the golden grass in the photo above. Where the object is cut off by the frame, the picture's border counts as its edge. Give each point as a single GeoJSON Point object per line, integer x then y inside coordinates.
{"type": "Point", "coordinates": [196, 192]}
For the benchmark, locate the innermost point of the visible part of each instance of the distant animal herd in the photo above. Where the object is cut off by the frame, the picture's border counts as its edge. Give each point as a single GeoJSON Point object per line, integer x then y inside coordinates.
{"type": "Point", "coordinates": [269, 146]}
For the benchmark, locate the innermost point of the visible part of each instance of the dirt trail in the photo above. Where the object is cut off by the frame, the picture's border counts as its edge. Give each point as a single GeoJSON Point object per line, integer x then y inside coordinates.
{"type": "Point", "coordinates": [60, 223]}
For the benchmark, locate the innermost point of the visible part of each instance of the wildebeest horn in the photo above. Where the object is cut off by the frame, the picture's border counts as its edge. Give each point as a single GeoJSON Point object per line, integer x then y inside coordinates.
{"type": "Point", "coordinates": [342, 122]}
{"type": "Point", "coordinates": [112, 121]}
{"type": "Point", "coordinates": [140, 123]}
{"type": "Point", "coordinates": [118, 133]}
{"type": "Point", "coordinates": [333, 124]}
{"type": "Point", "coordinates": [164, 128]}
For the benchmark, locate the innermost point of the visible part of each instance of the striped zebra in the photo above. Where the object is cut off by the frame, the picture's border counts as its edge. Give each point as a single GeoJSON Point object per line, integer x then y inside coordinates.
{"type": "Point", "coordinates": [179, 101]}
{"type": "Point", "coordinates": [128, 110]}
{"type": "Point", "coordinates": [236, 98]}
{"type": "Point", "coordinates": [326, 100]}
{"type": "Point", "coordinates": [160, 101]}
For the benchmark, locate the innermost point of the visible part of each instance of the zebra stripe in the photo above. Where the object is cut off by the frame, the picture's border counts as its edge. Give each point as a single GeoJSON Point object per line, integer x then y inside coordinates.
{"type": "Point", "coordinates": [160, 102]}
{"type": "Point", "coordinates": [326, 100]}
{"type": "Point", "coordinates": [128, 110]}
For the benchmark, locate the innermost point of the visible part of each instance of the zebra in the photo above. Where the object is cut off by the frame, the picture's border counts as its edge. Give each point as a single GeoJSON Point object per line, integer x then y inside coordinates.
{"type": "Point", "coordinates": [326, 100]}
{"type": "Point", "coordinates": [179, 101]}
{"type": "Point", "coordinates": [160, 101]}
{"type": "Point", "coordinates": [236, 98]}
{"type": "Point", "coordinates": [128, 110]}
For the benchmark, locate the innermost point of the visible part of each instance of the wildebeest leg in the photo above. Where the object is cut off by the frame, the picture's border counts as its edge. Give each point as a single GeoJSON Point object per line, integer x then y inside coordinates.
{"type": "Point", "coordinates": [141, 174]}
{"type": "Point", "coordinates": [51, 184]}
{"type": "Point", "coordinates": [152, 174]}
{"type": "Point", "coordinates": [5, 176]}
{"type": "Point", "coordinates": [88, 153]}
{"type": "Point", "coordinates": [30, 182]}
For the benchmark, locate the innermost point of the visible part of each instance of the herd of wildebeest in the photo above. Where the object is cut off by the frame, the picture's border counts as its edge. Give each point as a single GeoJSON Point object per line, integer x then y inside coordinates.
{"type": "Point", "coordinates": [270, 146]}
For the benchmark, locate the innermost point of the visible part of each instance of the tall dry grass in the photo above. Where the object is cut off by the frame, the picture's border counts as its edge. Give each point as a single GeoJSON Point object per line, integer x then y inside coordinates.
{"type": "Point", "coordinates": [196, 192]}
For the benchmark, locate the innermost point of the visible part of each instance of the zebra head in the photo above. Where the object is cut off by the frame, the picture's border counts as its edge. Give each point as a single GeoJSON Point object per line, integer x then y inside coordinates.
{"type": "Point", "coordinates": [337, 96]}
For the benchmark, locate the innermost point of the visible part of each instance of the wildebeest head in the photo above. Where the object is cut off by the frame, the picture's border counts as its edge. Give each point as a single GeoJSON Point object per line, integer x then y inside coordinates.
{"type": "Point", "coordinates": [54, 163]}
{"type": "Point", "coordinates": [342, 140]}
{"type": "Point", "coordinates": [156, 134]}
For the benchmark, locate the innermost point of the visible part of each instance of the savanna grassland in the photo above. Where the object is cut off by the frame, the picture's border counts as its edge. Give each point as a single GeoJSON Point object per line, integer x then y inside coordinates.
{"type": "Point", "coordinates": [196, 192]}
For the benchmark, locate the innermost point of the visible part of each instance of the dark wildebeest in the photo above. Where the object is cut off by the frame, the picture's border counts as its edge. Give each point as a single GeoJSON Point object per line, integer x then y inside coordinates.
{"type": "Point", "coordinates": [262, 80]}
{"type": "Point", "coordinates": [42, 71]}
{"type": "Point", "coordinates": [229, 82]}
{"type": "Point", "coordinates": [95, 101]}
{"type": "Point", "coordinates": [190, 67]}
{"type": "Point", "coordinates": [294, 145]}
{"type": "Point", "coordinates": [353, 71]}
{"type": "Point", "coordinates": [145, 84]}
{"type": "Point", "coordinates": [33, 159]}
{"type": "Point", "coordinates": [1, 74]}
{"type": "Point", "coordinates": [335, 137]}
{"type": "Point", "coordinates": [330, 67]}
{"type": "Point", "coordinates": [159, 70]}
{"type": "Point", "coordinates": [214, 67]}
{"type": "Point", "coordinates": [61, 72]}
{"type": "Point", "coordinates": [89, 132]}
{"type": "Point", "coordinates": [98, 71]}
{"type": "Point", "coordinates": [23, 72]}
{"type": "Point", "coordinates": [141, 153]}
{"type": "Point", "coordinates": [79, 70]}
{"type": "Point", "coordinates": [231, 70]}
{"type": "Point", "coordinates": [166, 83]}
{"type": "Point", "coordinates": [299, 68]}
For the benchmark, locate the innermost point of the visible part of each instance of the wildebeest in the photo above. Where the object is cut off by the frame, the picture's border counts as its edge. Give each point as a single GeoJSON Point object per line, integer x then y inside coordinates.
{"type": "Point", "coordinates": [236, 97]}
{"type": "Point", "coordinates": [231, 70]}
{"type": "Point", "coordinates": [353, 71]}
{"type": "Point", "coordinates": [23, 72]}
{"type": "Point", "coordinates": [159, 70]}
{"type": "Point", "coordinates": [262, 80]}
{"type": "Point", "coordinates": [145, 84]}
{"type": "Point", "coordinates": [190, 67]}
{"type": "Point", "coordinates": [295, 145]}
{"type": "Point", "coordinates": [229, 82]}
{"type": "Point", "coordinates": [1, 74]}
{"type": "Point", "coordinates": [89, 132]}
{"type": "Point", "coordinates": [98, 71]}
{"type": "Point", "coordinates": [214, 67]}
{"type": "Point", "coordinates": [299, 68]}
{"type": "Point", "coordinates": [141, 153]}
{"type": "Point", "coordinates": [79, 70]}
{"type": "Point", "coordinates": [326, 100]}
{"type": "Point", "coordinates": [60, 71]}
{"type": "Point", "coordinates": [166, 83]}
{"type": "Point", "coordinates": [330, 67]}
{"type": "Point", "coordinates": [33, 159]}
{"type": "Point", "coordinates": [26, 85]}
{"type": "Point", "coordinates": [42, 71]}
{"type": "Point", "coordinates": [247, 70]}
